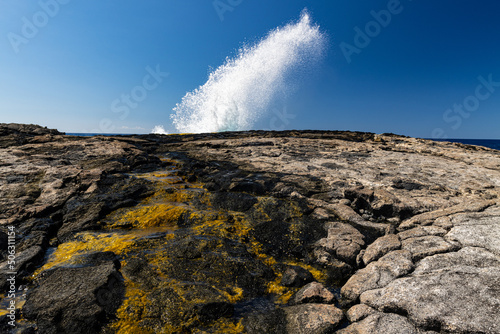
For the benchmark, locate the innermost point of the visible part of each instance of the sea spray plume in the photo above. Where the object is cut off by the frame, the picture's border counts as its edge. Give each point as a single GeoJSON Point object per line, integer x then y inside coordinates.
{"type": "Point", "coordinates": [159, 130]}
{"type": "Point", "coordinates": [240, 91]}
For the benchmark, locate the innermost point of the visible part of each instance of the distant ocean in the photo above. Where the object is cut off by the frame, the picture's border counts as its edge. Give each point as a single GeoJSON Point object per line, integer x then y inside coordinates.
{"type": "Point", "coordinates": [491, 143]}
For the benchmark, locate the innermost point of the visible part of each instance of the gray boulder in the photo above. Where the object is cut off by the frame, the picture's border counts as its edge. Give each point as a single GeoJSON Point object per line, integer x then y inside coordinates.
{"type": "Point", "coordinates": [454, 292]}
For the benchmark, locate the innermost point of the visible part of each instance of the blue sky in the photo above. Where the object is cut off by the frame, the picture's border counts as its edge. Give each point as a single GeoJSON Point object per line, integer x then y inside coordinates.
{"type": "Point", "coordinates": [433, 70]}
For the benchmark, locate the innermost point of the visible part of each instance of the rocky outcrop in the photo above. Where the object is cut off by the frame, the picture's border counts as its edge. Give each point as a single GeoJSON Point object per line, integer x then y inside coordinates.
{"type": "Point", "coordinates": [343, 242]}
{"type": "Point", "coordinates": [300, 319]}
{"type": "Point", "coordinates": [296, 276]}
{"type": "Point", "coordinates": [313, 292]}
{"type": "Point", "coordinates": [378, 274]}
{"type": "Point", "coordinates": [436, 295]}
{"type": "Point", "coordinates": [258, 232]}
{"type": "Point", "coordinates": [18, 134]}
{"type": "Point", "coordinates": [76, 300]}
{"type": "Point", "coordinates": [379, 322]}
{"type": "Point", "coordinates": [380, 247]}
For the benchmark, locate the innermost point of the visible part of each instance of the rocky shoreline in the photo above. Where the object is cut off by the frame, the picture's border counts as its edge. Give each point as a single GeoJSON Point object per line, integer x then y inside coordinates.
{"type": "Point", "coordinates": [247, 232]}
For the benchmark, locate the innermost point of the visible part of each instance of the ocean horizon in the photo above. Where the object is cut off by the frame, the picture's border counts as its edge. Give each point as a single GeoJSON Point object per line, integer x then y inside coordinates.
{"type": "Point", "coordinates": [490, 143]}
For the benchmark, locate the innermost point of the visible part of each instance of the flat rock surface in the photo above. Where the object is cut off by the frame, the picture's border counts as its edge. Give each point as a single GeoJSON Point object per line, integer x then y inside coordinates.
{"type": "Point", "coordinates": [477, 230]}
{"type": "Point", "coordinates": [454, 292]}
{"type": "Point", "coordinates": [421, 247]}
{"type": "Point", "coordinates": [203, 228]}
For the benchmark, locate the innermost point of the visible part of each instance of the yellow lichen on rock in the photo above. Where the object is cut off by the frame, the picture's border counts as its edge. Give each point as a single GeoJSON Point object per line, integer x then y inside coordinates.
{"type": "Point", "coordinates": [282, 293]}
{"type": "Point", "coordinates": [226, 326]}
{"type": "Point", "coordinates": [235, 296]}
{"type": "Point", "coordinates": [153, 216]}
{"type": "Point", "coordinates": [319, 275]}
{"type": "Point", "coordinates": [221, 241]}
{"type": "Point", "coordinates": [130, 311]}
{"type": "Point", "coordinates": [88, 242]}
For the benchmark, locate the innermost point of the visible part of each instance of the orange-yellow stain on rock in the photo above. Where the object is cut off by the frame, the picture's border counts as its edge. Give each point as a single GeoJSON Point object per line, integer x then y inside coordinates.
{"type": "Point", "coordinates": [154, 215]}
{"type": "Point", "coordinates": [130, 311]}
{"type": "Point", "coordinates": [88, 242]}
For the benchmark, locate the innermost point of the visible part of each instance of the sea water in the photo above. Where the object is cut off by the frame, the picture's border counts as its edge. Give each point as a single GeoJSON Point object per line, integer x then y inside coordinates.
{"type": "Point", "coordinates": [241, 90]}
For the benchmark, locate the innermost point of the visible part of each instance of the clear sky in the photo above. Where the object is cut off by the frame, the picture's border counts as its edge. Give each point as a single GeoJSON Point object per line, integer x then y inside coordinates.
{"type": "Point", "coordinates": [420, 68]}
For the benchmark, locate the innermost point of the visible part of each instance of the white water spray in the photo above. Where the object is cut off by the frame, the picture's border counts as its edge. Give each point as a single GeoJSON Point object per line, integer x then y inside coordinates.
{"type": "Point", "coordinates": [159, 130]}
{"type": "Point", "coordinates": [240, 91]}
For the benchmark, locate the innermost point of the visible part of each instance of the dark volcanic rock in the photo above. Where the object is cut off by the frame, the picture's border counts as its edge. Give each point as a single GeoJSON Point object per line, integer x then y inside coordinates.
{"type": "Point", "coordinates": [75, 300]}
{"type": "Point", "coordinates": [300, 319]}
{"type": "Point", "coordinates": [217, 262]}
{"type": "Point", "coordinates": [296, 276]}
{"type": "Point", "coordinates": [215, 310]}
{"type": "Point", "coordinates": [204, 225]}
{"type": "Point", "coordinates": [25, 263]}
{"type": "Point", "coordinates": [233, 201]}
{"type": "Point", "coordinates": [269, 322]}
{"type": "Point", "coordinates": [313, 292]}
{"type": "Point", "coordinates": [19, 134]}
{"type": "Point", "coordinates": [83, 212]}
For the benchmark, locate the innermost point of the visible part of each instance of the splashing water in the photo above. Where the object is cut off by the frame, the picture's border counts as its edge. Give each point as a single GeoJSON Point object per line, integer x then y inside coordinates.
{"type": "Point", "coordinates": [240, 91]}
{"type": "Point", "coordinates": [159, 130]}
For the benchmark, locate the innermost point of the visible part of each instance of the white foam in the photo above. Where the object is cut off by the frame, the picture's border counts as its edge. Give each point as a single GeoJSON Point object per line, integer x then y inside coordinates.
{"type": "Point", "coordinates": [159, 130]}
{"type": "Point", "coordinates": [240, 91]}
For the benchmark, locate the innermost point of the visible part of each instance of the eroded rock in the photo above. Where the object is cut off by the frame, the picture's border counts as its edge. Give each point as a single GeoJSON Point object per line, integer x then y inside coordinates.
{"type": "Point", "coordinates": [313, 293]}
{"type": "Point", "coordinates": [359, 312]}
{"type": "Point", "coordinates": [76, 300]}
{"type": "Point", "coordinates": [381, 323]}
{"type": "Point", "coordinates": [270, 194]}
{"type": "Point", "coordinates": [380, 247]}
{"type": "Point", "coordinates": [378, 274]}
{"type": "Point", "coordinates": [421, 247]}
{"type": "Point", "coordinates": [343, 242]}
{"type": "Point", "coordinates": [312, 318]}
{"type": "Point", "coordinates": [456, 292]}
{"type": "Point", "coordinates": [296, 276]}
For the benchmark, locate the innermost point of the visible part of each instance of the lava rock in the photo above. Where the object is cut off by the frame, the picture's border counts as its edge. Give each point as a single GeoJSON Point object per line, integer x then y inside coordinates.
{"type": "Point", "coordinates": [312, 318]}
{"type": "Point", "coordinates": [25, 263]}
{"type": "Point", "coordinates": [467, 277]}
{"type": "Point", "coordinates": [75, 300]}
{"type": "Point", "coordinates": [387, 323]}
{"type": "Point", "coordinates": [380, 247]}
{"type": "Point", "coordinates": [378, 274]}
{"type": "Point", "coordinates": [343, 242]}
{"type": "Point", "coordinates": [313, 292]}
{"type": "Point", "coordinates": [233, 201]}
{"type": "Point", "coordinates": [296, 276]}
